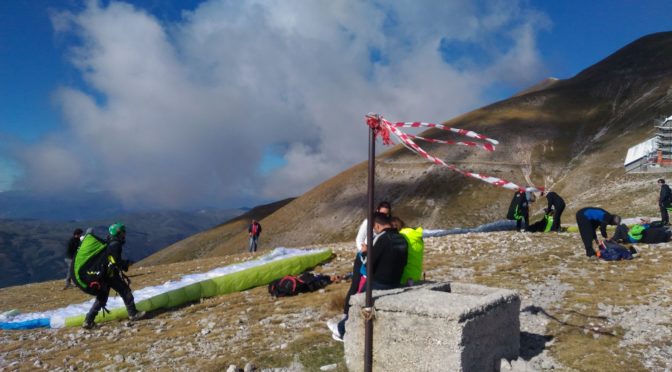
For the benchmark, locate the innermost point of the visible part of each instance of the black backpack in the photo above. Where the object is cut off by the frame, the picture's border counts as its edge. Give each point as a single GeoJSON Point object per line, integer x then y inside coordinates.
{"type": "Point", "coordinates": [285, 286]}
{"type": "Point", "coordinates": [292, 285]}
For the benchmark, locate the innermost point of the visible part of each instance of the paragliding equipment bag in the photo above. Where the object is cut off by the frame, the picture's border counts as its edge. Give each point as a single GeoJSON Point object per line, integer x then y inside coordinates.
{"type": "Point", "coordinates": [610, 251]}
{"type": "Point", "coordinates": [291, 285]}
{"type": "Point", "coordinates": [90, 265]}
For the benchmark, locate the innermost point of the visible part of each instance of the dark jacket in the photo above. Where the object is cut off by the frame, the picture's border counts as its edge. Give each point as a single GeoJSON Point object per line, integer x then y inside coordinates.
{"type": "Point", "coordinates": [554, 200]}
{"type": "Point", "coordinates": [597, 217]}
{"type": "Point", "coordinates": [390, 253]}
{"type": "Point", "coordinates": [113, 253]}
{"type": "Point", "coordinates": [249, 229]}
{"type": "Point", "coordinates": [665, 198]}
{"type": "Point", "coordinates": [73, 245]}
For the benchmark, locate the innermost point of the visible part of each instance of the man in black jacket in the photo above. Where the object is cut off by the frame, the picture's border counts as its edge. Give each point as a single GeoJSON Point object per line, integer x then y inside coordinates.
{"type": "Point", "coordinates": [556, 203]}
{"type": "Point", "coordinates": [389, 256]}
{"type": "Point", "coordinates": [113, 264]}
{"type": "Point", "coordinates": [71, 250]}
{"type": "Point", "coordinates": [385, 264]}
{"type": "Point", "coordinates": [664, 201]}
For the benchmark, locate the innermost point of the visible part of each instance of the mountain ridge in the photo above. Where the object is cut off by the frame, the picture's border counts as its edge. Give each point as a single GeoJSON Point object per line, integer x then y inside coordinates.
{"type": "Point", "coordinates": [566, 136]}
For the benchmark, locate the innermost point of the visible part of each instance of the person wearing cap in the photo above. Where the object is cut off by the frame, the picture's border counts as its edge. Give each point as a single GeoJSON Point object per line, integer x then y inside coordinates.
{"type": "Point", "coordinates": [71, 250]}
{"type": "Point", "coordinates": [115, 279]}
{"type": "Point", "coordinates": [664, 201]}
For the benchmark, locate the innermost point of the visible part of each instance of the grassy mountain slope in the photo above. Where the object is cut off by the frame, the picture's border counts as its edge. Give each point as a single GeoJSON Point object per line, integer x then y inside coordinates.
{"type": "Point", "coordinates": [570, 136]}
{"type": "Point", "coordinates": [203, 243]}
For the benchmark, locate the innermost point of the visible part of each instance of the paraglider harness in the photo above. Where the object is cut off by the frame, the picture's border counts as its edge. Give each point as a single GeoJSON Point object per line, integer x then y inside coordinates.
{"type": "Point", "coordinates": [91, 267]}
{"type": "Point", "coordinates": [292, 285]}
{"type": "Point", "coordinates": [518, 202]}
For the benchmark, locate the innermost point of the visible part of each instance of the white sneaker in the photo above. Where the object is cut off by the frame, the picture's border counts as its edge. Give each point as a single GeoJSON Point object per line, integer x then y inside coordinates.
{"type": "Point", "coordinates": [333, 327]}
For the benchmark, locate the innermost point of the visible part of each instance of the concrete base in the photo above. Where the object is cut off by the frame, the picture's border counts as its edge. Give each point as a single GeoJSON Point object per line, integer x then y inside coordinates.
{"type": "Point", "coordinates": [437, 327]}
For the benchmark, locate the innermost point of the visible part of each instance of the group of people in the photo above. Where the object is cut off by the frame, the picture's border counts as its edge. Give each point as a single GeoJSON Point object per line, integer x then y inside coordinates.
{"type": "Point", "coordinates": [395, 259]}
{"type": "Point", "coordinates": [107, 266]}
{"type": "Point", "coordinates": [589, 219]}
{"type": "Point", "coordinates": [519, 210]}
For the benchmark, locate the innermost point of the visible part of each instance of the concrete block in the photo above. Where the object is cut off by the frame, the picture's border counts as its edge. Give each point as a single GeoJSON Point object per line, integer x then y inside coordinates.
{"type": "Point", "coordinates": [437, 327]}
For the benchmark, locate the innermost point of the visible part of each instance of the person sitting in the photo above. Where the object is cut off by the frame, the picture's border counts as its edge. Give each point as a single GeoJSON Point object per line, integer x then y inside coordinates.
{"type": "Point", "coordinates": [386, 263]}
{"type": "Point", "coordinates": [416, 248]}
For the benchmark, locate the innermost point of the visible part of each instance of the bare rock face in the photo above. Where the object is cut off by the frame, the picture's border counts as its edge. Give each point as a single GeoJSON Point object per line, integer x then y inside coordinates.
{"type": "Point", "coordinates": [435, 327]}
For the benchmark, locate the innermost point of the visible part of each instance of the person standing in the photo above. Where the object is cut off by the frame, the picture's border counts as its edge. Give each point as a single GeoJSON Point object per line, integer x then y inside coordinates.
{"type": "Point", "coordinates": [71, 250]}
{"type": "Point", "coordinates": [254, 230]}
{"type": "Point", "coordinates": [112, 264]}
{"type": "Point", "coordinates": [588, 220]}
{"type": "Point", "coordinates": [519, 210]}
{"type": "Point", "coordinates": [664, 201]}
{"type": "Point", "coordinates": [556, 203]}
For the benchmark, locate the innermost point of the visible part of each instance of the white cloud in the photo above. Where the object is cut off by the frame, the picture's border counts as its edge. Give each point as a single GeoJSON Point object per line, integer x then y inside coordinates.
{"type": "Point", "coordinates": [183, 111]}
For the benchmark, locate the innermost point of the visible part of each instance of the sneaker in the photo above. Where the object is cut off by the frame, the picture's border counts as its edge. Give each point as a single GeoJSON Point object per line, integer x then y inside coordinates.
{"type": "Point", "coordinates": [137, 316]}
{"type": "Point", "coordinates": [333, 327]}
{"type": "Point", "coordinates": [88, 325]}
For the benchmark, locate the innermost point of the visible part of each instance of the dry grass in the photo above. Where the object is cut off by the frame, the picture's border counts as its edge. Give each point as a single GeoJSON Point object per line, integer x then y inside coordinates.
{"type": "Point", "coordinates": [252, 327]}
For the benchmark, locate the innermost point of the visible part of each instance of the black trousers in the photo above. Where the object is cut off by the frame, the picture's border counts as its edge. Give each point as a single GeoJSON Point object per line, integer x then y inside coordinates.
{"type": "Point", "coordinates": [556, 216]}
{"type": "Point", "coordinates": [122, 289]}
{"type": "Point", "coordinates": [664, 216]}
{"type": "Point", "coordinates": [587, 231]}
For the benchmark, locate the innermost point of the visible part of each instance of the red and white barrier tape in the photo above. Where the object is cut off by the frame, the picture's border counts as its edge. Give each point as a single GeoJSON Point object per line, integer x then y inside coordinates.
{"type": "Point", "coordinates": [383, 128]}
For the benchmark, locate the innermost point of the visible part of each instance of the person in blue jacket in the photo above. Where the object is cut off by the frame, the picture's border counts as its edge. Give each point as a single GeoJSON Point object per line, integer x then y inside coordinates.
{"type": "Point", "coordinates": [588, 220]}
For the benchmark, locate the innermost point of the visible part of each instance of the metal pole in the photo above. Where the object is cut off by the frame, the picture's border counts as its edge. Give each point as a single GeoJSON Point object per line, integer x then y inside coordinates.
{"type": "Point", "coordinates": [368, 321]}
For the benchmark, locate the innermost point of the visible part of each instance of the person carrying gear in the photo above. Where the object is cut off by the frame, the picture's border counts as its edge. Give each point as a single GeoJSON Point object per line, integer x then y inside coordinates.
{"type": "Point", "coordinates": [588, 220]}
{"type": "Point", "coordinates": [556, 203]}
{"type": "Point", "coordinates": [664, 201]}
{"type": "Point", "coordinates": [519, 210]}
{"type": "Point", "coordinates": [104, 272]}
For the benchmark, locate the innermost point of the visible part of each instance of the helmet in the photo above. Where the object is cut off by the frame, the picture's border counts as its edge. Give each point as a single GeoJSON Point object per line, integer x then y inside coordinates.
{"type": "Point", "coordinates": [116, 228]}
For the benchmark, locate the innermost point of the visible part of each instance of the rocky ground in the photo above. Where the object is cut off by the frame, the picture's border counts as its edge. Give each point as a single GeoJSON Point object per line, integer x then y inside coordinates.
{"type": "Point", "coordinates": [576, 313]}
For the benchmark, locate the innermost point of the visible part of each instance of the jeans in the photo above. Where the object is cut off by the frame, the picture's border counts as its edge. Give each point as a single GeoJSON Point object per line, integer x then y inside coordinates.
{"type": "Point", "coordinates": [68, 275]}
{"type": "Point", "coordinates": [253, 243]}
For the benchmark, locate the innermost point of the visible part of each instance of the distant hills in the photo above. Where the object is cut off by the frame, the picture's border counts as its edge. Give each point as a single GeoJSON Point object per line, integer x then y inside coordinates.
{"type": "Point", "coordinates": [32, 250]}
{"type": "Point", "coordinates": [567, 135]}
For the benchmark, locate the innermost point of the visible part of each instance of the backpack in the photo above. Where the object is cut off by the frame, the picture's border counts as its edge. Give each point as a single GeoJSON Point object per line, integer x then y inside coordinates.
{"type": "Point", "coordinates": [656, 235]}
{"type": "Point", "coordinates": [614, 252]}
{"type": "Point", "coordinates": [89, 265]}
{"type": "Point", "coordinates": [291, 285]}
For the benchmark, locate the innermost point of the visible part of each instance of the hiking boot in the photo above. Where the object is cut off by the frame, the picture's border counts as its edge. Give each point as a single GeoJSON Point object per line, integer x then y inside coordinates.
{"type": "Point", "coordinates": [137, 316]}
{"type": "Point", "coordinates": [88, 324]}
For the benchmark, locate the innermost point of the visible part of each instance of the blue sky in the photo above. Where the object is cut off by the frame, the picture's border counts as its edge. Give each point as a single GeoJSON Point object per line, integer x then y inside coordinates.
{"type": "Point", "coordinates": [214, 102]}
